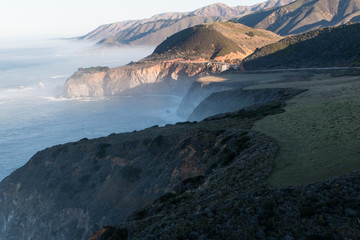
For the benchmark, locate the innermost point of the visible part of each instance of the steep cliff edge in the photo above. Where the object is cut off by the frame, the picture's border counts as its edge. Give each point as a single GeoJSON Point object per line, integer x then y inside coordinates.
{"type": "Point", "coordinates": [236, 99]}
{"type": "Point", "coordinates": [195, 52]}
{"type": "Point", "coordinates": [126, 79]}
{"type": "Point", "coordinates": [70, 191]}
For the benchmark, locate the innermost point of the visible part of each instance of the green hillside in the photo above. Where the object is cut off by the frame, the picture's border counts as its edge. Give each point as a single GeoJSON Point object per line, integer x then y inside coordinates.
{"type": "Point", "coordinates": [200, 41]}
{"type": "Point", "coordinates": [327, 47]}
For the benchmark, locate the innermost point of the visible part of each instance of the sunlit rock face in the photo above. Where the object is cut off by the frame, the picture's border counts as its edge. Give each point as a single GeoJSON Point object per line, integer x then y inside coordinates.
{"type": "Point", "coordinates": [102, 81]}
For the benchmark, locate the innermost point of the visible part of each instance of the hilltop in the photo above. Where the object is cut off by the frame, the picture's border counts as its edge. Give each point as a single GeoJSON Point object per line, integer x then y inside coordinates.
{"type": "Point", "coordinates": [175, 64]}
{"type": "Point", "coordinates": [304, 15]}
{"type": "Point", "coordinates": [154, 30]}
{"type": "Point", "coordinates": [215, 42]}
{"type": "Point", "coordinates": [326, 47]}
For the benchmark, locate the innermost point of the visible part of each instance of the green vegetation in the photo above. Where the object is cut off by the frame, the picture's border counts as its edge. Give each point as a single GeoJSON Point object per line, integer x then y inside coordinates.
{"type": "Point", "coordinates": [130, 173]}
{"type": "Point", "coordinates": [250, 34]}
{"type": "Point", "coordinates": [84, 179]}
{"type": "Point", "coordinates": [91, 70]}
{"type": "Point", "coordinates": [102, 150]}
{"type": "Point", "coordinates": [326, 47]}
{"type": "Point", "coordinates": [200, 41]}
{"type": "Point", "coordinates": [59, 150]}
{"type": "Point", "coordinates": [318, 133]}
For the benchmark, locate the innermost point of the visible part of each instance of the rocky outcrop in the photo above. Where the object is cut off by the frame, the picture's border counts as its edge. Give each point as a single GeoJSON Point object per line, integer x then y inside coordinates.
{"type": "Point", "coordinates": [201, 89]}
{"type": "Point", "coordinates": [100, 82]}
{"type": "Point", "coordinates": [183, 57]}
{"type": "Point", "coordinates": [236, 99]}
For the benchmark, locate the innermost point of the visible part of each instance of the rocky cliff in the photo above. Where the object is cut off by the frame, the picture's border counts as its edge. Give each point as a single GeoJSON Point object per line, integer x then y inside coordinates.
{"type": "Point", "coordinates": [203, 88]}
{"type": "Point", "coordinates": [192, 53]}
{"type": "Point", "coordinates": [158, 77]}
{"type": "Point", "coordinates": [70, 191]}
{"type": "Point", "coordinates": [236, 99]}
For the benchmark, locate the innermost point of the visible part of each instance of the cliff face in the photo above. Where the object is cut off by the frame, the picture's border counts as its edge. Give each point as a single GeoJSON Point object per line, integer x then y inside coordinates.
{"type": "Point", "coordinates": [70, 191]}
{"type": "Point", "coordinates": [236, 99]}
{"type": "Point", "coordinates": [101, 82]}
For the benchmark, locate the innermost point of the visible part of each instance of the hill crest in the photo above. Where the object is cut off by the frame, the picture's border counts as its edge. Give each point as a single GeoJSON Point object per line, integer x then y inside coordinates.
{"type": "Point", "coordinates": [304, 15]}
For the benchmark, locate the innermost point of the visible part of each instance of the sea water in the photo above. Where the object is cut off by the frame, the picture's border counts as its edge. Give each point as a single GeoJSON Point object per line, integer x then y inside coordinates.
{"type": "Point", "coordinates": [33, 116]}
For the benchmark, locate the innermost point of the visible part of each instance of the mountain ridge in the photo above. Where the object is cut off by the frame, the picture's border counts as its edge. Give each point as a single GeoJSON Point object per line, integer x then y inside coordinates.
{"type": "Point", "coordinates": [324, 47]}
{"type": "Point", "coordinates": [154, 30]}
{"type": "Point", "coordinates": [179, 60]}
{"type": "Point", "coordinates": [304, 15]}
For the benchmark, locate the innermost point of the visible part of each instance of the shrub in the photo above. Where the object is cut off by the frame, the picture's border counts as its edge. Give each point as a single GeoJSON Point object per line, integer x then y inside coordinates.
{"type": "Point", "coordinates": [85, 178]}
{"type": "Point", "coordinates": [130, 173]}
{"type": "Point", "coordinates": [102, 150]}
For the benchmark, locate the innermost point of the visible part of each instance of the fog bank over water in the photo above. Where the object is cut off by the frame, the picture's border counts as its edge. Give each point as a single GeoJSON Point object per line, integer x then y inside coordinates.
{"type": "Point", "coordinates": [32, 74]}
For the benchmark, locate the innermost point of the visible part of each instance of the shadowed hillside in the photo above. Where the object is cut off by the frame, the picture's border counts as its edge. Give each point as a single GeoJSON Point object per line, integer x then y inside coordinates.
{"type": "Point", "coordinates": [217, 41]}
{"type": "Point", "coordinates": [327, 47]}
{"type": "Point", "coordinates": [304, 15]}
{"type": "Point", "coordinates": [202, 41]}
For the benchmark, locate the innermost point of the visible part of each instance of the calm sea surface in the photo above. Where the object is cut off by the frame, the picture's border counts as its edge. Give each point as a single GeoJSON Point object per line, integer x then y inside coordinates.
{"type": "Point", "coordinates": [32, 117]}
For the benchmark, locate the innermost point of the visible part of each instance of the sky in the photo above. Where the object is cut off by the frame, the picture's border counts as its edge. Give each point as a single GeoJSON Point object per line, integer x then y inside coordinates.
{"type": "Point", "coordinates": [69, 18]}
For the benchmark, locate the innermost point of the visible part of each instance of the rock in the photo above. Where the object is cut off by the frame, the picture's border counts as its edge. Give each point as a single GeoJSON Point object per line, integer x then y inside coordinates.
{"type": "Point", "coordinates": [143, 77]}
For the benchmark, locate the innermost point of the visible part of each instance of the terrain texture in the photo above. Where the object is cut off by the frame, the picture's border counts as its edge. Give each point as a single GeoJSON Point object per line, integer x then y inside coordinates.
{"type": "Point", "coordinates": [304, 15]}
{"type": "Point", "coordinates": [156, 29]}
{"type": "Point", "coordinates": [175, 64]}
{"type": "Point", "coordinates": [274, 155]}
{"type": "Point", "coordinates": [325, 47]}
{"type": "Point", "coordinates": [314, 161]}
{"type": "Point", "coordinates": [70, 191]}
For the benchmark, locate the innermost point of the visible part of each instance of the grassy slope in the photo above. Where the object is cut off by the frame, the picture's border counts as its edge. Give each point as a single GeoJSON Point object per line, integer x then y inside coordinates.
{"type": "Point", "coordinates": [210, 41]}
{"type": "Point", "coordinates": [207, 43]}
{"type": "Point", "coordinates": [319, 133]}
{"type": "Point", "coordinates": [323, 47]}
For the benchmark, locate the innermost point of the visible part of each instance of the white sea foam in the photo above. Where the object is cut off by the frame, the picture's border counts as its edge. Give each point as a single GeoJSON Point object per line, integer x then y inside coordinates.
{"type": "Point", "coordinates": [59, 76]}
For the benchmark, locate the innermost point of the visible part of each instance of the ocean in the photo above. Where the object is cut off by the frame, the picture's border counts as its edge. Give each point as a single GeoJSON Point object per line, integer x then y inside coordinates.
{"type": "Point", "coordinates": [34, 117]}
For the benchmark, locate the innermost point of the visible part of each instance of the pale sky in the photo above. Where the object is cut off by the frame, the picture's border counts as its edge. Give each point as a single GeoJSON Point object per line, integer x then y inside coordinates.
{"type": "Point", "coordinates": [68, 18]}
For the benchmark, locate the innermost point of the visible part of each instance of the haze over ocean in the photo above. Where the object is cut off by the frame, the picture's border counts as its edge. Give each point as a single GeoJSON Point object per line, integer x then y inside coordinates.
{"type": "Point", "coordinates": [32, 117]}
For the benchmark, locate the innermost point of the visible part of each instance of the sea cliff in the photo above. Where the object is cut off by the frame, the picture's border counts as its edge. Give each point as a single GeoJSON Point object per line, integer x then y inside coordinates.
{"type": "Point", "coordinates": [102, 81]}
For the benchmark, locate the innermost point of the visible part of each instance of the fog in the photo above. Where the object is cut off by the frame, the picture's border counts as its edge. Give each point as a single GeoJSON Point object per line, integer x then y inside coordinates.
{"type": "Point", "coordinates": [32, 117]}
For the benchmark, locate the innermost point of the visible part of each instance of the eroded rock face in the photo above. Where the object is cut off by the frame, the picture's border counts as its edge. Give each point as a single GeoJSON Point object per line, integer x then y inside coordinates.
{"type": "Point", "coordinates": [236, 99]}
{"type": "Point", "coordinates": [70, 191]}
{"type": "Point", "coordinates": [100, 82]}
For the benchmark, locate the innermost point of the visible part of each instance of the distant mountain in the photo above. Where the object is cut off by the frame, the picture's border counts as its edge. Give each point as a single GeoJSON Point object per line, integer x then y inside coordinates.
{"type": "Point", "coordinates": [154, 30]}
{"type": "Point", "coordinates": [217, 42]}
{"type": "Point", "coordinates": [175, 64]}
{"type": "Point", "coordinates": [326, 47]}
{"type": "Point", "coordinates": [304, 15]}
